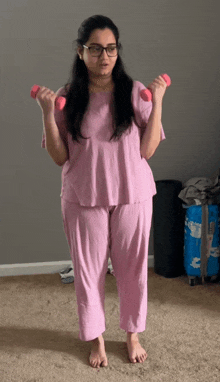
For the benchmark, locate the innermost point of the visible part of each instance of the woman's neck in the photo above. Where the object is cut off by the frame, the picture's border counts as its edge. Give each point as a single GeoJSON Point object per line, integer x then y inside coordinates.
{"type": "Point", "coordinates": [94, 88]}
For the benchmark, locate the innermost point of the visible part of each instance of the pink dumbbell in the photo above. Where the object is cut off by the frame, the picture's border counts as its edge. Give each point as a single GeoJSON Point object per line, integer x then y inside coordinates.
{"type": "Point", "coordinates": [59, 101]}
{"type": "Point", "coordinates": [146, 94]}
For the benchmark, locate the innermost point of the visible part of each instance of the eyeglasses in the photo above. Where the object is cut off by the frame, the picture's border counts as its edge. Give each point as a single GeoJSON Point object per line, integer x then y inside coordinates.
{"type": "Point", "coordinates": [97, 50]}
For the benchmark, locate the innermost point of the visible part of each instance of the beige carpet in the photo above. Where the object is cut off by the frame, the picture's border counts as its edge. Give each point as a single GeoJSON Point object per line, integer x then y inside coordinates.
{"type": "Point", "coordinates": [39, 333]}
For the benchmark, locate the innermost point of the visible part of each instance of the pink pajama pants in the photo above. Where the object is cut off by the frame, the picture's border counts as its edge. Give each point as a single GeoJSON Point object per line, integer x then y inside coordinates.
{"type": "Point", "coordinates": [94, 234]}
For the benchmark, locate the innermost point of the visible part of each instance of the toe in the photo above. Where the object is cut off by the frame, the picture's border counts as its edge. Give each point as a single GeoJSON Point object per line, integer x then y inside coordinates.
{"type": "Point", "coordinates": [142, 358]}
{"type": "Point", "coordinates": [133, 360]}
{"type": "Point", "coordinates": [93, 363]}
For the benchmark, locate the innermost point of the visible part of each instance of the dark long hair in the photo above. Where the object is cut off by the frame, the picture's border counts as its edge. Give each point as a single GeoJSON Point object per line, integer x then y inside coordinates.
{"type": "Point", "coordinates": [77, 87]}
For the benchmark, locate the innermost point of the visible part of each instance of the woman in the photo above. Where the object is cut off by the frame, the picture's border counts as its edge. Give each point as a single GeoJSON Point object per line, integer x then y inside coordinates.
{"type": "Point", "coordinates": [107, 184]}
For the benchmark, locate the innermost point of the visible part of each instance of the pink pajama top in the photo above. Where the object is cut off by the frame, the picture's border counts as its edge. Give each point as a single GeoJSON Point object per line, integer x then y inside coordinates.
{"type": "Point", "coordinates": [103, 173]}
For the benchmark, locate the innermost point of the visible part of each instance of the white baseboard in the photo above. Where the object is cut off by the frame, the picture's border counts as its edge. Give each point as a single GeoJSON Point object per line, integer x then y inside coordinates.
{"type": "Point", "coordinates": [43, 268]}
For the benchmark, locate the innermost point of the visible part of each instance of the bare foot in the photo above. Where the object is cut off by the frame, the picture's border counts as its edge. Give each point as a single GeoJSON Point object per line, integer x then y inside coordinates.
{"type": "Point", "coordinates": [135, 350]}
{"type": "Point", "coordinates": [97, 356]}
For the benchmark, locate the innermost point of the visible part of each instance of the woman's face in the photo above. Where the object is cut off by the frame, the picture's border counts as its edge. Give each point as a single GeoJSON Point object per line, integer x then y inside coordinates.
{"type": "Point", "coordinates": [104, 38]}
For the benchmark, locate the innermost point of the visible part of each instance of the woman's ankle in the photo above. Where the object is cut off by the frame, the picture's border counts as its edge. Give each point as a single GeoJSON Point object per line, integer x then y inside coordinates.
{"type": "Point", "coordinates": [98, 339]}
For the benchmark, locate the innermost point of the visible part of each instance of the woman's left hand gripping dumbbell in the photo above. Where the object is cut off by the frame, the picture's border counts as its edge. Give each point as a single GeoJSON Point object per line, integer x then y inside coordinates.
{"type": "Point", "coordinates": [156, 90]}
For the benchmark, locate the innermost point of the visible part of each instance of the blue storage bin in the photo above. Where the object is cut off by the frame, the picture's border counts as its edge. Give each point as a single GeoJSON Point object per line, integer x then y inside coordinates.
{"type": "Point", "coordinates": [194, 243]}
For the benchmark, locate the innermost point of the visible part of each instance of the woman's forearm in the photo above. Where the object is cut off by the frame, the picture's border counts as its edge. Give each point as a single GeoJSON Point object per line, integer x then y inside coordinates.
{"type": "Point", "coordinates": [151, 137]}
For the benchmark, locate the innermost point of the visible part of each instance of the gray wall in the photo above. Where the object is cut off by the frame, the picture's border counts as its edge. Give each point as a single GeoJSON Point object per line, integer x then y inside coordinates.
{"type": "Point", "coordinates": [181, 38]}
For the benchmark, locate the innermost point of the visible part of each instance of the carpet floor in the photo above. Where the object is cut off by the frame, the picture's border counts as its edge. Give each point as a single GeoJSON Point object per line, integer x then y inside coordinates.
{"type": "Point", "coordinates": [39, 333]}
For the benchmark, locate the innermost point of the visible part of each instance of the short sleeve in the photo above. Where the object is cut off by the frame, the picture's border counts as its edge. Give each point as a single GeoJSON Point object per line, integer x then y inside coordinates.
{"type": "Point", "coordinates": [60, 121]}
{"type": "Point", "coordinates": [142, 109]}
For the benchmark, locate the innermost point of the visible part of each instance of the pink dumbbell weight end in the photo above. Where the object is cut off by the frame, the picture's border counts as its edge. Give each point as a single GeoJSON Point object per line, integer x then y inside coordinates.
{"type": "Point", "coordinates": [146, 94]}
{"type": "Point", "coordinates": [59, 102]}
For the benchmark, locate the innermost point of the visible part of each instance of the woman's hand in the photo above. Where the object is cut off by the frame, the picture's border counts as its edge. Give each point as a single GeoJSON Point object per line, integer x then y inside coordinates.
{"type": "Point", "coordinates": [46, 100]}
{"type": "Point", "coordinates": [158, 89]}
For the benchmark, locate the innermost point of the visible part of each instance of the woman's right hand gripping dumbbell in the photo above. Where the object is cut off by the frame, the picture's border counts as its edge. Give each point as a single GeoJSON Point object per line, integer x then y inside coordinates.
{"type": "Point", "coordinates": [46, 100]}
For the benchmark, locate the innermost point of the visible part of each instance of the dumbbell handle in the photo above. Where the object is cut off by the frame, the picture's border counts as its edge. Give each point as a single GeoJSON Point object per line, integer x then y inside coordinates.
{"type": "Point", "coordinates": [59, 101]}
{"type": "Point", "coordinates": [146, 94]}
